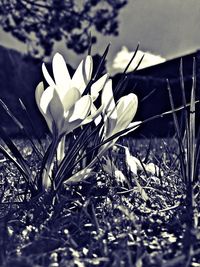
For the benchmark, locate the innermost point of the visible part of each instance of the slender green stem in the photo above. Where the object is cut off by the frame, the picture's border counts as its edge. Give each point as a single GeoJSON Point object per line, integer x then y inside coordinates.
{"type": "Point", "coordinates": [47, 179]}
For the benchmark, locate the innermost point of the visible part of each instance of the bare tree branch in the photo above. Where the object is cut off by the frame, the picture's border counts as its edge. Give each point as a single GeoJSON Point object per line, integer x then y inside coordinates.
{"type": "Point", "coordinates": [45, 23]}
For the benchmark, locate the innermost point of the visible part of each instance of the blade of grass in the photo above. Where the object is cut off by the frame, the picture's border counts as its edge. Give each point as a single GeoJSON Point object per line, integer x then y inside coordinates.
{"type": "Point", "coordinates": [19, 125]}
{"type": "Point", "coordinates": [192, 125]}
{"type": "Point", "coordinates": [18, 166]}
{"type": "Point", "coordinates": [131, 60]}
{"type": "Point", "coordinates": [178, 133]}
{"type": "Point", "coordinates": [143, 122]}
{"type": "Point", "coordinates": [34, 131]}
{"type": "Point", "coordinates": [123, 132]}
{"type": "Point", "coordinates": [101, 62]}
{"type": "Point", "coordinates": [90, 43]}
{"type": "Point", "coordinates": [15, 151]}
{"type": "Point", "coordinates": [197, 155]}
{"type": "Point", "coordinates": [48, 180]}
{"type": "Point", "coordinates": [95, 77]}
{"type": "Point", "coordinates": [176, 124]}
{"type": "Point", "coordinates": [185, 114]}
{"type": "Point", "coordinates": [124, 75]}
{"type": "Point", "coordinates": [11, 115]}
{"type": "Point", "coordinates": [140, 61]}
{"type": "Point", "coordinates": [148, 95]}
{"type": "Point", "coordinates": [122, 87]}
{"type": "Point", "coordinates": [190, 171]}
{"type": "Point", "coordinates": [187, 126]}
{"type": "Point", "coordinates": [185, 122]}
{"type": "Point", "coordinates": [69, 157]}
{"type": "Point", "coordinates": [190, 201]}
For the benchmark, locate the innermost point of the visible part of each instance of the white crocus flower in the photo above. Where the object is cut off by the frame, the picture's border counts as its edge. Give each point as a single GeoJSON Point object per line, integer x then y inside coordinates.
{"type": "Point", "coordinates": [62, 79]}
{"type": "Point", "coordinates": [62, 104]}
{"type": "Point", "coordinates": [117, 116]}
{"type": "Point", "coordinates": [82, 76]}
{"type": "Point", "coordinates": [62, 115]}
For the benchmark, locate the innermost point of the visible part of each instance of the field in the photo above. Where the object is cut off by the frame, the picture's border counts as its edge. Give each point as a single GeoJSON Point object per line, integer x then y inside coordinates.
{"type": "Point", "coordinates": [107, 220]}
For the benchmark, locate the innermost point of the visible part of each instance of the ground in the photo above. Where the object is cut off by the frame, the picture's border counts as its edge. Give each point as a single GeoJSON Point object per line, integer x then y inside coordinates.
{"type": "Point", "coordinates": [104, 221]}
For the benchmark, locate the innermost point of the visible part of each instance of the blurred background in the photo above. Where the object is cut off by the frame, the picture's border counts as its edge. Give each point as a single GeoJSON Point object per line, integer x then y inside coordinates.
{"type": "Point", "coordinates": [32, 31]}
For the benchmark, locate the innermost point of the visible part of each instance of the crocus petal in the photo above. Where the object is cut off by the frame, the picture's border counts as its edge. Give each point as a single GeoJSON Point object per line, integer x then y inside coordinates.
{"type": "Point", "coordinates": [52, 107]}
{"type": "Point", "coordinates": [61, 150]}
{"type": "Point", "coordinates": [98, 86]}
{"type": "Point", "coordinates": [77, 114]}
{"type": "Point", "coordinates": [45, 99]}
{"type": "Point", "coordinates": [83, 74]}
{"type": "Point", "coordinates": [109, 126]}
{"type": "Point", "coordinates": [81, 108]}
{"type": "Point", "coordinates": [94, 116]}
{"type": "Point", "coordinates": [128, 102]}
{"type": "Point", "coordinates": [133, 163]}
{"type": "Point", "coordinates": [108, 101]}
{"type": "Point", "coordinates": [109, 110]}
{"type": "Point", "coordinates": [56, 110]}
{"type": "Point", "coordinates": [38, 94]}
{"type": "Point", "coordinates": [70, 98]}
{"type": "Point", "coordinates": [126, 110]}
{"type": "Point", "coordinates": [47, 77]}
{"type": "Point", "coordinates": [98, 118]}
{"type": "Point", "coordinates": [61, 74]}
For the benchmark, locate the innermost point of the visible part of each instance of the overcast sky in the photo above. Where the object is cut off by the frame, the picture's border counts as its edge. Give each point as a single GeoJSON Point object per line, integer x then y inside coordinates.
{"type": "Point", "coordinates": [165, 27]}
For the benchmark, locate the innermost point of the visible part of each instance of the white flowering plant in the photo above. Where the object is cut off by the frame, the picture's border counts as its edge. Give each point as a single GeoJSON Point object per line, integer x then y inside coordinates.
{"type": "Point", "coordinates": [144, 194]}
{"type": "Point", "coordinates": [83, 119]}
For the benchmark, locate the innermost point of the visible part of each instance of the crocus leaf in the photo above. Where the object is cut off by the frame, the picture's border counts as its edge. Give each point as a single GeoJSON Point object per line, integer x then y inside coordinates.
{"type": "Point", "coordinates": [133, 126]}
{"type": "Point", "coordinates": [18, 165]}
{"type": "Point", "coordinates": [15, 151]}
{"type": "Point", "coordinates": [79, 176]}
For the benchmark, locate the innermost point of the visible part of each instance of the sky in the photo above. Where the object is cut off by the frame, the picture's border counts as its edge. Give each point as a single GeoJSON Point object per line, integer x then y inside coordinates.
{"type": "Point", "coordinates": [168, 28]}
{"type": "Point", "coordinates": [123, 57]}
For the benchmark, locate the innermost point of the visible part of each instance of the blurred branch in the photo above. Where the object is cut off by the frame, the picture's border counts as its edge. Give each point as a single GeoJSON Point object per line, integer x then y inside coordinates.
{"type": "Point", "coordinates": [45, 23]}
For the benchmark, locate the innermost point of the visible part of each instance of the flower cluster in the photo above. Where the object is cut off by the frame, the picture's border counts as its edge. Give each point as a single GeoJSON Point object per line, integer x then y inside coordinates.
{"type": "Point", "coordinates": [62, 103]}
{"type": "Point", "coordinates": [66, 105]}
